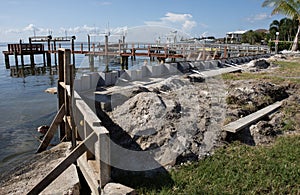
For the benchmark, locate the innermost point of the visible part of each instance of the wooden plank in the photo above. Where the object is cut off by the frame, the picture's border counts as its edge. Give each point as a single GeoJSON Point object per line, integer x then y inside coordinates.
{"type": "Point", "coordinates": [62, 166]}
{"type": "Point", "coordinates": [248, 120]}
{"type": "Point", "coordinates": [51, 131]}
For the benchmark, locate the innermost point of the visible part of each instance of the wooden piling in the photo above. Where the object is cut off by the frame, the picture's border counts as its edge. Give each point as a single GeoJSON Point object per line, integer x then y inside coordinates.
{"type": "Point", "coordinates": [48, 53]}
{"type": "Point", "coordinates": [21, 53]}
{"type": "Point", "coordinates": [31, 54]}
{"type": "Point", "coordinates": [7, 64]}
{"type": "Point", "coordinates": [67, 82]}
{"type": "Point", "coordinates": [60, 89]}
{"type": "Point", "coordinates": [55, 54]}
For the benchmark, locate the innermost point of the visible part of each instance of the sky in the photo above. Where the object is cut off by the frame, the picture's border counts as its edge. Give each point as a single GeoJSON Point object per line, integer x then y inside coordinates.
{"type": "Point", "coordinates": [20, 19]}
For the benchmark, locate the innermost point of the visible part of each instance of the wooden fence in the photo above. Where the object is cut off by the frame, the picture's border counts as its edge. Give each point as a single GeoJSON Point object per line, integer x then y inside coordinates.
{"type": "Point", "coordinates": [80, 125]}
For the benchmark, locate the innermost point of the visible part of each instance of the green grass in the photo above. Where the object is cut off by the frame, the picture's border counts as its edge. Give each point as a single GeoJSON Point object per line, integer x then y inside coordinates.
{"type": "Point", "coordinates": [282, 74]}
{"type": "Point", "coordinates": [240, 169]}
{"type": "Point", "coordinates": [288, 69]}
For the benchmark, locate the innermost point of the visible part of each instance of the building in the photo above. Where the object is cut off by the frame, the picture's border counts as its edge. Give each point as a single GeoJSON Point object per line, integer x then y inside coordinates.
{"type": "Point", "coordinates": [235, 37]}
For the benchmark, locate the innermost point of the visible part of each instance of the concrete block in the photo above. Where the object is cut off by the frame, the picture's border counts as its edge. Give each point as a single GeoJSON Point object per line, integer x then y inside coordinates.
{"type": "Point", "coordinates": [94, 80]}
{"type": "Point", "coordinates": [220, 64]}
{"type": "Point", "coordinates": [184, 67]}
{"type": "Point", "coordinates": [164, 69]}
{"type": "Point", "coordinates": [206, 65]}
{"type": "Point", "coordinates": [132, 74]}
{"type": "Point", "coordinates": [77, 85]}
{"type": "Point", "coordinates": [139, 74]}
{"type": "Point", "coordinates": [114, 77]}
{"type": "Point", "coordinates": [214, 64]}
{"type": "Point", "coordinates": [234, 61]}
{"type": "Point", "coordinates": [108, 78]}
{"type": "Point", "coordinates": [172, 68]}
{"type": "Point", "coordinates": [145, 71]}
{"type": "Point", "coordinates": [155, 70]}
{"type": "Point", "coordinates": [85, 82]}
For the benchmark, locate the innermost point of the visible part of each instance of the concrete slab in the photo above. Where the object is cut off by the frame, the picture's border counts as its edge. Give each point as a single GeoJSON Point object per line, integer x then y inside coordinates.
{"type": "Point", "coordinates": [85, 82]}
{"type": "Point", "coordinates": [247, 120]}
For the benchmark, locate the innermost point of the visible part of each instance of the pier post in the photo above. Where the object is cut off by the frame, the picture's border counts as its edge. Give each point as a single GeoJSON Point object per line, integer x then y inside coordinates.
{"type": "Point", "coordinates": [92, 62]}
{"type": "Point", "coordinates": [16, 61]}
{"type": "Point", "coordinates": [124, 62]}
{"type": "Point", "coordinates": [7, 65]}
{"type": "Point", "coordinates": [89, 43]}
{"type": "Point", "coordinates": [22, 56]}
{"type": "Point", "coordinates": [106, 53]}
{"type": "Point", "coordinates": [73, 50]}
{"type": "Point", "coordinates": [55, 54]}
{"type": "Point", "coordinates": [60, 90]}
{"type": "Point", "coordinates": [48, 53]}
{"type": "Point", "coordinates": [67, 82]}
{"type": "Point", "coordinates": [31, 54]}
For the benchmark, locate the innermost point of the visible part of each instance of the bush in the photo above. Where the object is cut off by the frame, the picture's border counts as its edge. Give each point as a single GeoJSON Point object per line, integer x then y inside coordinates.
{"type": "Point", "coordinates": [282, 45]}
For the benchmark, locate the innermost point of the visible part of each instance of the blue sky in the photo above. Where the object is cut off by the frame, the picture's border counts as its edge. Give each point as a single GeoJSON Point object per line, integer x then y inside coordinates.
{"type": "Point", "coordinates": [22, 18]}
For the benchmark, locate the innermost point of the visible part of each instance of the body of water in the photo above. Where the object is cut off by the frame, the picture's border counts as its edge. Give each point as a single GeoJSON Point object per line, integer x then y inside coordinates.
{"type": "Point", "coordinates": [24, 106]}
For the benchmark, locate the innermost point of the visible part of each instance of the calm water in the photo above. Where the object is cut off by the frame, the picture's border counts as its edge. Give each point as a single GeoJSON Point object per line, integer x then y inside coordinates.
{"type": "Point", "coordinates": [24, 106]}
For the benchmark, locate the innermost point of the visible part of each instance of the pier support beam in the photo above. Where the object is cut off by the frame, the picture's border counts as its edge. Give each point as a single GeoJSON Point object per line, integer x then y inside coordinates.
{"type": "Point", "coordinates": [49, 54]}
{"type": "Point", "coordinates": [31, 54]}
{"type": "Point", "coordinates": [7, 65]}
{"type": "Point", "coordinates": [16, 60]}
{"type": "Point", "coordinates": [124, 63]}
{"type": "Point", "coordinates": [92, 62]}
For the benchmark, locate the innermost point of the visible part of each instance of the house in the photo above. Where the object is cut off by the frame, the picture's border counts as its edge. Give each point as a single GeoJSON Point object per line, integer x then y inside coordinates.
{"type": "Point", "coordinates": [235, 37]}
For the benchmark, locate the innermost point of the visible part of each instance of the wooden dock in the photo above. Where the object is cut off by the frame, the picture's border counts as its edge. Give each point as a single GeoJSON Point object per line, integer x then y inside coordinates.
{"type": "Point", "coordinates": [48, 45]}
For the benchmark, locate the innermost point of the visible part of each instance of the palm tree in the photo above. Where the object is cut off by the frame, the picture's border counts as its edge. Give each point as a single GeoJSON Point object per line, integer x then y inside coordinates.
{"type": "Point", "coordinates": [274, 27]}
{"type": "Point", "coordinates": [290, 8]}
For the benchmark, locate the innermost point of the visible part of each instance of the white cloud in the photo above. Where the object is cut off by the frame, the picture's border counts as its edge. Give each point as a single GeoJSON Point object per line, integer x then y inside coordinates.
{"type": "Point", "coordinates": [259, 17]}
{"type": "Point", "coordinates": [183, 21]}
{"type": "Point", "coordinates": [105, 3]}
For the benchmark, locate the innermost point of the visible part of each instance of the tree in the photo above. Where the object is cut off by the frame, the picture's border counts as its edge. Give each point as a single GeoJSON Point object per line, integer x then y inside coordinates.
{"type": "Point", "coordinates": [290, 8]}
{"type": "Point", "coordinates": [274, 27]}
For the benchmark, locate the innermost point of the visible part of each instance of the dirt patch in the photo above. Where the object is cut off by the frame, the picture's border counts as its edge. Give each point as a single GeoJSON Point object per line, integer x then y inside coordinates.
{"type": "Point", "coordinates": [25, 176]}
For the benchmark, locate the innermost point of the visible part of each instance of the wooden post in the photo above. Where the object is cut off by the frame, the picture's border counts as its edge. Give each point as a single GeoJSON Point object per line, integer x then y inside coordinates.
{"type": "Point", "coordinates": [92, 62]}
{"type": "Point", "coordinates": [67, 81]}
{"type": "Point", "coordinates": [89, 43]}
{"type": "Point", "coordinates": [106, 53]}
{"type": "Point", "coordinates": [16, 60]}
{"type": "Point", "coordinates": [60, 89]}
{"type": "Point", "coordinates": [31, 54]}
{"type": "Point", "coordinates": [7, 64]}
{"type": "Point", "coordinates": [22, 56]}
{"type": "Point", "coordinates": [55, 54]}
{"type": "Point", "coordinates": [49, 54]}
{"type": "Point", "coordinates": [73, 50]}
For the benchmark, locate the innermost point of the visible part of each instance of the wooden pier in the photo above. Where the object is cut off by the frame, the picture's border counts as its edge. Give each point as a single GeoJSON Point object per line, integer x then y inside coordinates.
{"type": "Point", "coordinates": [47, 45]}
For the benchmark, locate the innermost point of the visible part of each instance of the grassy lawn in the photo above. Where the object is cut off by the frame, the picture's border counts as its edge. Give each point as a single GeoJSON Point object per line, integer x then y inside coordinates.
{"type": "Point", "coordinates": [240, 169]}
{"type": "Point", "coordinates": [286, 72]}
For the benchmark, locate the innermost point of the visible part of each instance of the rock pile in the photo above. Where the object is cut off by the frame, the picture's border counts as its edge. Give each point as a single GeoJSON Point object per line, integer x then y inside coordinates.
{"type": "Point", "coordinates": [178, 120]}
